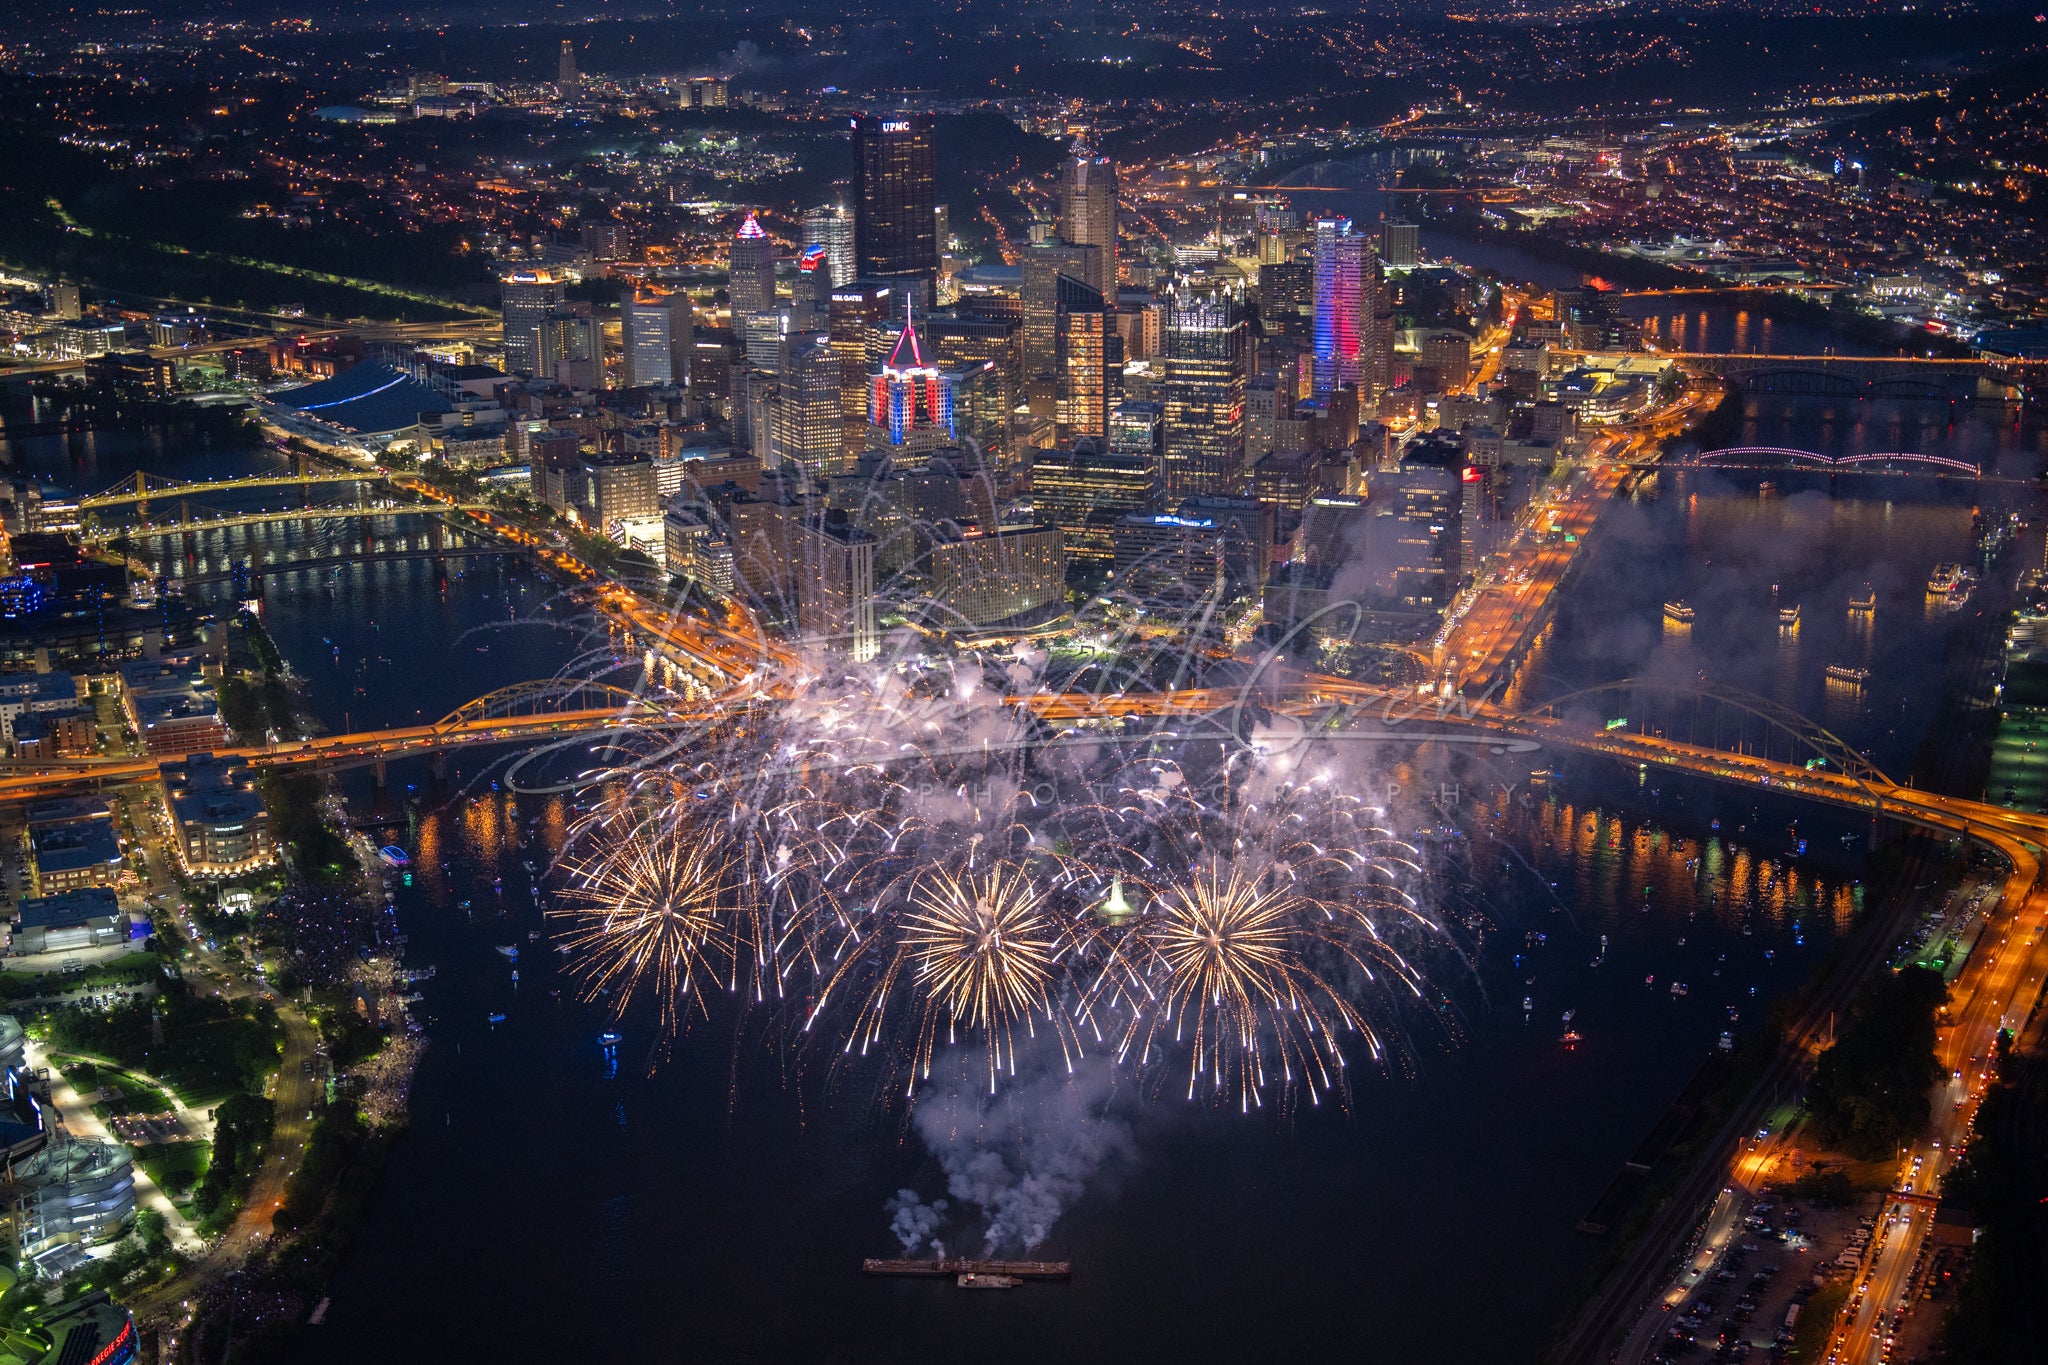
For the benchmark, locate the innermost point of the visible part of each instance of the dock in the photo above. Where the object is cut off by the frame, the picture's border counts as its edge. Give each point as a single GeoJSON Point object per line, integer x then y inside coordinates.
{"type": "Point", "coordinates": [956, 1265]}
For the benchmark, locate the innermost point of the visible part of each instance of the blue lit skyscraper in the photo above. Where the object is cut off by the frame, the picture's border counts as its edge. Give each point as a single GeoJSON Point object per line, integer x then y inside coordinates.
{"type": "Point", "coordinates": [1340, 255]}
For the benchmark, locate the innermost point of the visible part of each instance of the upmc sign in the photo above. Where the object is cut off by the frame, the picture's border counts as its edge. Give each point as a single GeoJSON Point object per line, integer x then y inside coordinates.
{"type": "Point", "coordinates": [896, 125]}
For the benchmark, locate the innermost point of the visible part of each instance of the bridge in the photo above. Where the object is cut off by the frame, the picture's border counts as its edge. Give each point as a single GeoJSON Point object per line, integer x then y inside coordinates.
{"type": "Point", "coordinates": [210, 519]}
{"type": "Point", "coordinates": [1887, 463]}
{"type": "Point", "coordinates": [143, 488]}
{"type": "Point", "coordinates": [258, 568]}
{"type": "Point", "coordinates": [1852, 376]}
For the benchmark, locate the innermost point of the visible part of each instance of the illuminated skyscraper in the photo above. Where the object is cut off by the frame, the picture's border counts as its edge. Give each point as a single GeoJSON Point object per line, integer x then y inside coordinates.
{"type": "Point", "coordinates": [910, 401]}
{"type": "Point", "coordinates": [753, 272]}
{"type": "Point", "coordinates": [1339, 296]}
{"type": "Point", "coordinates": [1204, 391]}
{"type": "Point", "coordinates": [859, 314]}
{"type": "Point", "coordinates": [836, 584]}
{"type": "Point", "coordinates": [808, 428]}
{"type": "Point", "coordinates": [528, 297]}
{"type": "Point", "coordinates": [1399, 243]}
{"type": "Point", "coordinates": [1376, 325]}
{"type": "Point", "coordinates": [1088, 214]}
{"type": "Point", "coordinates": [895, 228]}
{"type": "Point", "coordinates": [658, 338]}
{"type": "Point", "coordinates": [828, 226]}
{"type": "Point", "coordinates": [565, 66]}
{"type": "Point", "coordinates": [1081, 360]}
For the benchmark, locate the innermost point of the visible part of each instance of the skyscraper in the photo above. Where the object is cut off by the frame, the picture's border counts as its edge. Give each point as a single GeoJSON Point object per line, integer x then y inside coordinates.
{"type": "Point", "coordinates": [836, 584]}
{"type": "Point", "coordinates": [1045, 265]}
{"type": "Point", "coordinates": [1081, 362]}
{"type": "Point", "coordinates": [808, 429]}
{"type": "Point", "coordinates": [895, 233]}
{"type": "Point", "coordinates": [1088, 214]}
{"type": "Point", "coordinates": [753, 272]}
{"type": "Point", "coordinates": [828, 226]}
{"type": "Point", "coordinates": [910, 401]}
{"type": "Point", "coordinates": [658, 338]}
{"type": "Point", "coordinates": [1376, 323]}
{"type": "Point", "coordinates": [1339, 294]}
{"type": "Point", "coordinates": [1204, 390]}
{"type": "Point", "coordinates": [528, 296]}
{"type": "Point", "coordinates": [568, 351]}
{"type": "Point", "coordinates": [565, 66]}
{"type": "Point", "coordinates": [1398, 243]}
{"type": "Point", "coordinates": [858, 315]}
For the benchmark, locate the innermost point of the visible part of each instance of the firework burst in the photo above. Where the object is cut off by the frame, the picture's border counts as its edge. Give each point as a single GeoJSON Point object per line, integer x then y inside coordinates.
{"type": "Point", "coordinates": [658, 909]}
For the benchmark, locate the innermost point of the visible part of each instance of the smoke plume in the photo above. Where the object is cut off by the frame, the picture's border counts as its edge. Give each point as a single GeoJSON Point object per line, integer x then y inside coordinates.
{"type": "Point", "coordinates": [1023, 1155]}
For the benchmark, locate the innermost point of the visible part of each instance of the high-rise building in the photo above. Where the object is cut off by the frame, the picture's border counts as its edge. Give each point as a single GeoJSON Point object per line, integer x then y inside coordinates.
{"type": "Point", "coordinates": [1287, 294]}
{"type": "Point", "coordinates": [985, 577]}
{"type": "Point", "coordinates": [1085, 490]}
{"type": "Point", "coordinates": [1204, 392]}
{"type": "Point", "coordinates": [810, 306]}
{"type": "Point", "coordinates": [1376, 324]}
{"type": "Point", "coordinates": [1045, 265]}
{"type": "Point", "coordinates": [1081, 347]}
{"type": "Point", "coordinates": [910, 401]}
{"type": "Point", "coordinates": [836, 584]}
{"type": "Point", "coordinates": [568, 352]}
{"type": "Point", "coordinates": [565, 66]}
{"type": "Point", "coordinates": [996, 345]}
{"type": "Point", "coordinates": [1339, 295]}
{"type": "Point", "coordinates": [1398, 243]}
{"type": "Point", "coordinates": [859, 315]}
{"type": "Point", "coordinates": [895, 226]}
{"type": "Point", "coordinates": [1088, 215]}
{"type": "Point", "coordinates": [829, 226]}
{"type": "Point", "coordinates": [1447, 355]}
{"type": "Point", "coordinates": [752, 284]}
{"type": "Point", "coordinates": [657, 338]}
{"type": "Point", "coordinates": [808, 428]}
{"type": "Point", "coordinates": [1205, 547]}
{"type": "Point", "coordinates": [528, 297]}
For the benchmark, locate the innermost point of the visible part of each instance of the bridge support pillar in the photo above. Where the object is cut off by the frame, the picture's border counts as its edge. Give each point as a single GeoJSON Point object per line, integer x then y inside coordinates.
{"type": "Point", "coordinates": [379, 769]}
{"type": "Point", "coordinates": [438, 766]}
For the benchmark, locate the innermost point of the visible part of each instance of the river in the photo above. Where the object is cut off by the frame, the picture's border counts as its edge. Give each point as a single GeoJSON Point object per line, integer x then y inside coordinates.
{"type": "Point", "coordinates": [554, 1199]}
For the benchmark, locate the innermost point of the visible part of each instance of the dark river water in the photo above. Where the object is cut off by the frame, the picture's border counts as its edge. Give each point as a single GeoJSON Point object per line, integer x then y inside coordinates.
{"type": "Point", "coordinates": [554, 1201]}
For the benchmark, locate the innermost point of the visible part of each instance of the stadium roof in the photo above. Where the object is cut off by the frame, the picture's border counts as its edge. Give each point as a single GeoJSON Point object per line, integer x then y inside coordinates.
{"type": "Point", "coordinates": [370, 398]}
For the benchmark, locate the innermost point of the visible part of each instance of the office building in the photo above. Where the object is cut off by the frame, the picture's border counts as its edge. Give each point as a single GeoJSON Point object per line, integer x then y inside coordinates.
{"type": "Point", "coordinates": [1446, 355]}
{"type": "Point", "coordinates": [1421, 559]}
{"type": "Point", "coordinates": [1088, 216]}
{"type": "Point", "coordinates": [1015, 576]}
{"type": "Point", "coordinates": [910, 401]}
{"type": "Point", "coordinates": [68, 855]}
{"type": "Point", "coordinates": [1081, 361]}
{"type": "Point", "coordinates": [1398, 243]}
{"type": "Point", "coordinates": [1376, 328]}
{"type": "Point", "coordinates": [807, 427]}
{"type": "Point", "coordinates": [895, 226]}
{"type": "Point", "coordinates": [1204, 392]}
{"type": "Point", "coordinates": [1339, 294]}
{"type": "Point", "coordinates": [860, 315]}
{"type": "Point", "coordinates": [565, 66]}
{"type": "Point", "coordinates": [1046, 264]}
{"type": "Point", "coordinates": [657, 338]}
{"type": "Point", "coordinates": [836, 595]}
{"type": "Point", "coordinates": [219, 823]}
{"type": "Point", "coordinates": [752, 271]}
{"type": "Point", "coordinates": [608, 487]}
{"type": "Point", "coordinates": [1207, 547]}
{"type": "Point", "coordinates": [829, 226]}
{"type": "Point", "coordinates": [528, 298]}
{"type": "Point", "coordinates": [1287, 298]}
{"type": "Point", "coordinates": [569, 342]}
{"type": "Point", "coordinates": [1085, 490]}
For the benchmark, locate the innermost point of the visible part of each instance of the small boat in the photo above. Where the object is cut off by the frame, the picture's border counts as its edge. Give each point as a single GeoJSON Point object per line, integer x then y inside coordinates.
{"type": "Point", "coordinates": [508, 951]}
{"type": "Point", "coordinates": [1680, 988]}
{"type": "Point", "coordinates": [533, 936]}
{"type": "Point", "coordinates": [1570, 1039]}
{"type": "Point", "coordinates": [393, 856]}
{"type": "Point", "coordinates": [972, 1280]}
{"type": "Point", "coordinates": [610, 1039]}
{"type": "Point", "coordinates": [1847, 673]}
{"type": "Point", "coordinates": [1678, 612]}
{"type": "Point", "coordinates": [515, 976]}
{"type": "Point", "coordinates": [1788, 617]}
{"type": "Point", "coordinates": [1727, 1041]}
{"type": "Point", "coordinates": [564, 949]}
{"type": "Point", "coordinates": [1864, 601]}
{"type": "Point", "coordinates": [1528, 1004]}
{"type": "Point", "coordinates": [497, 1018]}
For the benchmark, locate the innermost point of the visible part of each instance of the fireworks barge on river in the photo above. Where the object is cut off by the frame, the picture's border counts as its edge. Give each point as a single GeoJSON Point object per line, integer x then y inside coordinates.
{"type": "Point", "coordinates": [974, 1274]}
